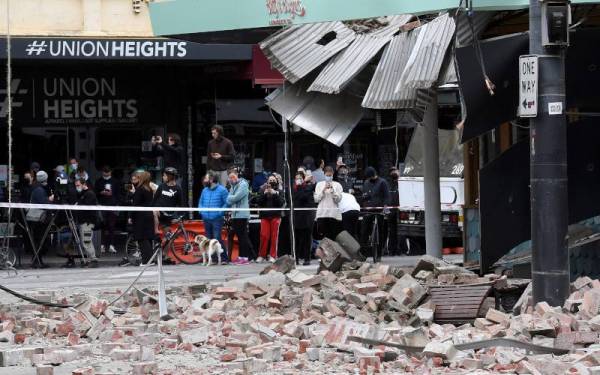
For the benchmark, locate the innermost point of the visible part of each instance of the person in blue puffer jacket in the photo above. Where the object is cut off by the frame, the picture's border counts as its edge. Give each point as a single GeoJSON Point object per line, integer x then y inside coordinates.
{"type": "Point", "coordinates": [214, 195]}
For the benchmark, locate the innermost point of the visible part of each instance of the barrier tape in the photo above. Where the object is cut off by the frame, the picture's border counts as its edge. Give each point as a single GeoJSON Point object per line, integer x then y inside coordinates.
{"type": "Point", "coordinates": [75, 207]}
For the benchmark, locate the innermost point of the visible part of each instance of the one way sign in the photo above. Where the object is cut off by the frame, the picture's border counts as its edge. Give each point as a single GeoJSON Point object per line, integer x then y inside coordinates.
{"type": "Point", "coordinates": [528, 86]}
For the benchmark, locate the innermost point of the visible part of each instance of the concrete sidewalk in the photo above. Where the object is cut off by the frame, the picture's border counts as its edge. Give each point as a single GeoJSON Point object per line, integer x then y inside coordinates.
{"type": "Point", "coordinates": [121, 277]}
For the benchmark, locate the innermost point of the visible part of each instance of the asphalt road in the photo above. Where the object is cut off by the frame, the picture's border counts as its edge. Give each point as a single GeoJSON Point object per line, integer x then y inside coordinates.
{"type": "Point", "coordinates": [121, 277]}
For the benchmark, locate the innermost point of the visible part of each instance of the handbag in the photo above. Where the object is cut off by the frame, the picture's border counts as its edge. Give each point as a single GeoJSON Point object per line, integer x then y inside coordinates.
{"type": "Point", "coordinates": [35, 215]}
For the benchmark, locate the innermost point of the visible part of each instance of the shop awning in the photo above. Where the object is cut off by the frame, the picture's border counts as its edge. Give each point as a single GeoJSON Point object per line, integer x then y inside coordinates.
{"type": "Point", "coordinates": [173, 17]}
{"type": "Point", "coordinates": [147, 49]}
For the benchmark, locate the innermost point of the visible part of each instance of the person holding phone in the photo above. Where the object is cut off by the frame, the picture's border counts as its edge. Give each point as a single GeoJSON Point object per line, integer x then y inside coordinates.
{"type": "Point", "coordinates": [328, 194]}
{"type": "Point", "coordinates": [270, 196]}
{"type": "Point", "coordinates": [220, 154]}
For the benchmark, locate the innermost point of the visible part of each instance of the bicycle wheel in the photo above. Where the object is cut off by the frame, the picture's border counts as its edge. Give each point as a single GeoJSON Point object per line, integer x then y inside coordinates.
{"type": "Point", "coordinates": [132, 251]}
{"type": "Point", "coordinates": [185, 249]}
{"type": "Point", "coordinates": [8, 258]}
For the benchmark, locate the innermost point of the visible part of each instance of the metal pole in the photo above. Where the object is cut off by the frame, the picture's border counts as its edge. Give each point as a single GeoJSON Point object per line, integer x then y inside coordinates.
{"type": "Point", "coordinates": [548, 162]}
{"type": "Point", "coordinates": [190, 169]}
{"type": "Point", "coordinates": [431, 153]}
{"type": "Point", "coordinates": [288, 181]}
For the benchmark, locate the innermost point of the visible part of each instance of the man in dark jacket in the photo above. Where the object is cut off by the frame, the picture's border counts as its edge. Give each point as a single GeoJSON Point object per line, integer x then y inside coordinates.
{"type": "Point", "coordinates": [375, 199]}
{"type": "Point", "coordinates": [171, 152]}
{"type": "Point", "coordinates": [39, 195]}
{"type": "Point", "coordinates": [392, 217]}
{"type": "Point", "coordinates": [220, 154]}
{"type": "Point", "coordinates": [168, 194]}
{"type": "Point", "coordinates": [108, 191]}
{"type": "Point", "coordinates": [344, 179]}
{"type": "Point", "coordinates": [87, 220]}
{"type": "Point", "coordinates": [304, 221]}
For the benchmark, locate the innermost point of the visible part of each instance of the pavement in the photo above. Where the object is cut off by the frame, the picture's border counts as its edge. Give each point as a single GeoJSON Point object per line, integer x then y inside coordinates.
{"type": "Point", "coordinates": [113, 277]}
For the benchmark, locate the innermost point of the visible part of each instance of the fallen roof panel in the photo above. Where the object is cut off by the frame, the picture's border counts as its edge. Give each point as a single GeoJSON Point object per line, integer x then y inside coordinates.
{"type": "Point", "coordinates": [345, 66]}
{"type": "Point", "coordinates": [299, 50]}
{"type": "Point", "coordinates": [381, 93]}
{"type": "Point", "coordinates": [423, 67]}
{"type": "Point", "coordinates": [331, 117]}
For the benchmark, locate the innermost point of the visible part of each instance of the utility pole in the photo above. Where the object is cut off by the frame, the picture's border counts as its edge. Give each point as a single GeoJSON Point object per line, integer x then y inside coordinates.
{"type": "Point", "coordinates": [548, 155]}
{"type": "Point", "coordinates": [431, 156]}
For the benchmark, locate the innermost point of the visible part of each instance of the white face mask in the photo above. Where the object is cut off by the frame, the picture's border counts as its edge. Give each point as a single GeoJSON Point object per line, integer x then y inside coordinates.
{"type": "Point", "coordinates": [79, 189]}
{"type": "Point", "coordinates": [74, 165]}
{"type": "Point", "coordinates": [106, 177]}
{"type": "Point", "coordinates": [328, 178]}
{"type": "Point", "coordinates": [299, 181]}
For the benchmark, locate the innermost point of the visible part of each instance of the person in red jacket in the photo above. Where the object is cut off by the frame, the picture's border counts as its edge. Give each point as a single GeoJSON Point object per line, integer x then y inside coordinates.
{"type": "Point", "coordinates": [270, 196]}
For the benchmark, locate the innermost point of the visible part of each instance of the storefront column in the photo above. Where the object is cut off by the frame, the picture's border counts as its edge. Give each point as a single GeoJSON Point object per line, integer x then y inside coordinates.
{"type": "Point", "coordinates": [433, 214]}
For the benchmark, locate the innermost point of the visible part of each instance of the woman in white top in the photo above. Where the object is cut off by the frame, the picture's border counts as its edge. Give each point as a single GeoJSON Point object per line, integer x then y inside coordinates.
{"type": "Point", "coordinates": [328, 194]}
{"type": "Point", "coordinates": [350, 210]}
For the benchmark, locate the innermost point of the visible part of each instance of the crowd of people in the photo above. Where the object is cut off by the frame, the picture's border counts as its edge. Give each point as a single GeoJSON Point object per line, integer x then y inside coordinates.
{"type": "Point", "coordinates": [327, 200]}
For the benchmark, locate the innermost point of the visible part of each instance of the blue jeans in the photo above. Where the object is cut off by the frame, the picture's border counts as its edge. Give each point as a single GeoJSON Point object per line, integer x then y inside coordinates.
{"type": "Point", "coordinates": [213, 229]}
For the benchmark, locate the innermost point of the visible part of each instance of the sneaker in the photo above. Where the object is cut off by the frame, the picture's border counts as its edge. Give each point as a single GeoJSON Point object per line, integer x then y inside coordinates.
{"type": "Point", "coordinates": [124, 262]}
{"type": "Point", "coordinates": [306, 263]}
{"type": "Point", "coordinates": [271, 259]}
{"type": "Point", "coordinates": [260, 260]}
{"type": "Point", "coordinates": [112, 249]}
{"type": "Point", "coordinates": [102, 249]}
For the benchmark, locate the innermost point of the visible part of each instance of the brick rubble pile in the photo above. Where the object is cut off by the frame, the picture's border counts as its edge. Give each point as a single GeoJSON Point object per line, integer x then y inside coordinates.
{"type": "Point", "coordinates": [296, 323]}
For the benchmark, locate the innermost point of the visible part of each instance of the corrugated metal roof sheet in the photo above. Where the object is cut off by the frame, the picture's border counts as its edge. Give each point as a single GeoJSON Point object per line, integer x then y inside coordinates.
{"type": "Point", "coordinates": [296, 51]}
{"type": "Point", "coordinates": [345, 66]}
{"type": "Point", "coordinates": [423, 67]}
{"type": "Point", "coordinates": [331, 117]}
{"type": "Point", "coordinates": [381, 93]}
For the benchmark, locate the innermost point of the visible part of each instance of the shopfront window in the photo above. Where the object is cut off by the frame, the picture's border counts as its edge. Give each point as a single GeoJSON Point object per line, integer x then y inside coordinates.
{"type": "Point", "coordinates": [119, 148]}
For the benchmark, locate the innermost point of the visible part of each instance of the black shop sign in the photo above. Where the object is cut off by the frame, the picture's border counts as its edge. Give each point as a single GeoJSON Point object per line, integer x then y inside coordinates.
{"type": "Point", "coordinates": [77, 100]}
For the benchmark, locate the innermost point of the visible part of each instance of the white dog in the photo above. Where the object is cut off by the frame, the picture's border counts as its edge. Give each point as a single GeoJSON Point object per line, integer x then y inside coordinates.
{"type": "Point", "coordinates": [208, 248]}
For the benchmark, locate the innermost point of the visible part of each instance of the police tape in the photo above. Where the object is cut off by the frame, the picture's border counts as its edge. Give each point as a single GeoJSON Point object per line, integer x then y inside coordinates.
{"type": "Point", "coordinates": [76, 207]}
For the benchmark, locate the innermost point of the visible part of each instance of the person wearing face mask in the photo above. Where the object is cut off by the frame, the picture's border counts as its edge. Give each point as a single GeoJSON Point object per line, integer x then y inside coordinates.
{"type": "Point", "coordinates": [328, 194]}
{"type": "Point", "coordinates": [375, 199]}
{"type": "Point", "coordinates": [344, 179]}
{"type": "Point", "coordinates": [39, 195]}
{"type": "Point", "coordinates": [141, 195]}
{"type": "Point", "coordinates": [72, 167]}
{"type": "Point", "coordinates": [270, 196]}
{"type": "Point", "coordinates": [238, 198]}
{"type": "Point", "coordinates": [214, 195]}
{"type": "Point", "coordinates": [107, 190]}
{"type": "Point", "coordinates": [87, 220]}
{"type": "Point", "coordinates": [303, 220]}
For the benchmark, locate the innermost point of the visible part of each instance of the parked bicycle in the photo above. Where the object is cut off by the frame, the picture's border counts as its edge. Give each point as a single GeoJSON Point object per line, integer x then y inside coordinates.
{"type": "Point", "coordinates": [179, 244]}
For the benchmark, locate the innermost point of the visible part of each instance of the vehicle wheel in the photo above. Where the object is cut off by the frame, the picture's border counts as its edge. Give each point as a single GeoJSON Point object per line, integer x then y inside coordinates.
{"type": "Point", "coordinates": [416, 246]}
{"type": "Point", "coordinates": [132, 251]}
{"type": "Point", "coordinates": [186, 250]}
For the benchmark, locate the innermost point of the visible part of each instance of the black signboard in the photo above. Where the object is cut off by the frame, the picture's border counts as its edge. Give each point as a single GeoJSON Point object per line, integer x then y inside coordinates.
{"type": "Point", "coordinates": [122, 49]}
{"type": "Point", "coordinates": [79, 98]}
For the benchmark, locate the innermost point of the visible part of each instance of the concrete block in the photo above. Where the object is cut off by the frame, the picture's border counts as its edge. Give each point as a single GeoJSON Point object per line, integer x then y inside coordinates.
{"type": "Point", "coordinates": [195, 336]}
{"type": "Point", "coordinates": [44, 370]}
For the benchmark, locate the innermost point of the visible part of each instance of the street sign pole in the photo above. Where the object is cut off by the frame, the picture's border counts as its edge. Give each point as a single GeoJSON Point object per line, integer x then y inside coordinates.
{"type": "Point", "coordinates": [548, 161]}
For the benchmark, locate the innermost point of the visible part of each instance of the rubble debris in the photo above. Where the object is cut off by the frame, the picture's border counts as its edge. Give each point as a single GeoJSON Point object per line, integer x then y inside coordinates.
{"type": "Point", "coordinates": [362, 318]}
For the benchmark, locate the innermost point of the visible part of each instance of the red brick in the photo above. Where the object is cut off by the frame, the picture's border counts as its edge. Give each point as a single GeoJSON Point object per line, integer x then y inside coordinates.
{"type": "Point", "coordinates": [73, 339]}
{"type": "Point", "coordinates": [364, 362]}
{"type": "Point", "coordinates": [289, 356]}
{"type": "Point", "coordinates": [302, 345]}
{"type": "Point", "coordinates": [228, 357]}
{"type": "Point", "coordinates": [84, 371]}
